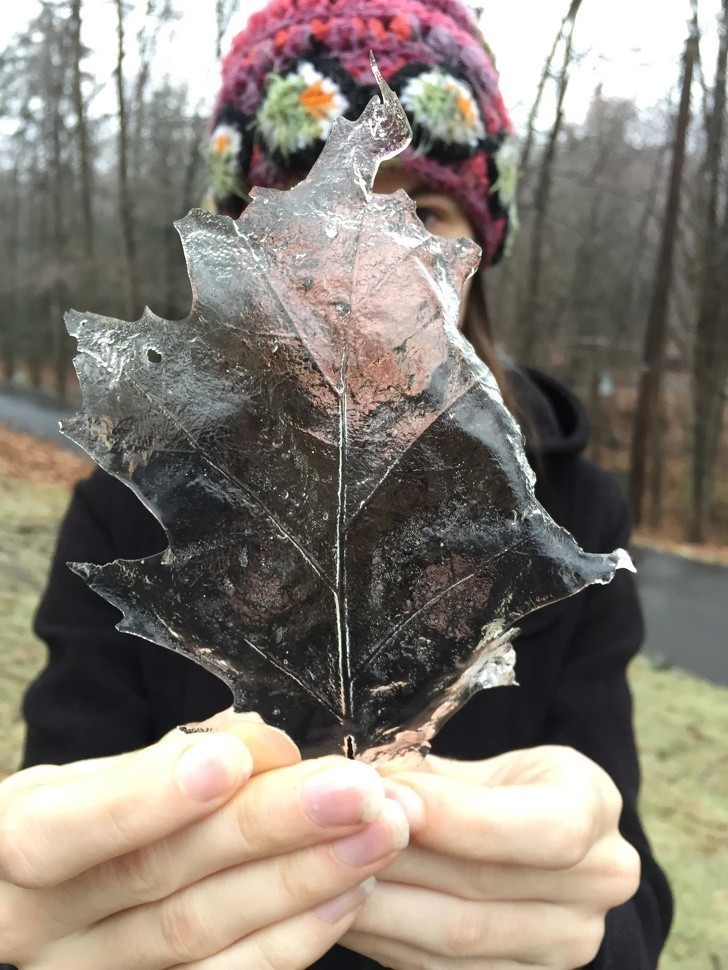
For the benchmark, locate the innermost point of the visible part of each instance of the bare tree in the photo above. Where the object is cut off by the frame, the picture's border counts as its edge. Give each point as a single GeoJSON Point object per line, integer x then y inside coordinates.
{"type": "Point", "coordinates": [224, 10]}
{"type": "Point", "coordinates": [654, 342]}
{"type": "Point", "coordinates": [126, 211]}
{"type": "Point", "coordinates": [82, 135]}
{"type": "Point", "coordinates": [710, 355]}
{"type": "Point", "coordinates": [158, 14]}
{"type": "Point", "coordinates": [528, 316]}
{"type": "Point", "coordinates": [11, 331]}
{"type": "Point", "coordinates": [546, 74]}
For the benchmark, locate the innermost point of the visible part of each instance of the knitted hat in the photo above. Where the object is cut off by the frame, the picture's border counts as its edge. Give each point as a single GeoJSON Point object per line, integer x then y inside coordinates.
{"type": "Point", "coordinates": [300, 64]}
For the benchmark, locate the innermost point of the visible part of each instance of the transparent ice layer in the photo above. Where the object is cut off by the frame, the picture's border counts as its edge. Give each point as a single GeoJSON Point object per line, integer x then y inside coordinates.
{"type": "Point", "coordinates": [352, 526]}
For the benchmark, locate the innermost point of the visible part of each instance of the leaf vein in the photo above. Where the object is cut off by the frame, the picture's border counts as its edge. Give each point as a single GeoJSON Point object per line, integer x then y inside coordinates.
{"type": "Point", "coordinates": [226, 474]}
{"type": "Point", "coordinates": [425, 606]}
{"type": "Point", "coordinates": [375, 488]}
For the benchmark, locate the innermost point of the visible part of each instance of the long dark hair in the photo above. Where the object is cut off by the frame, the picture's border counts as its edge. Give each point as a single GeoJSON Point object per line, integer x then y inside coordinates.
{"type": "Point", "coordinates": [478, 330]}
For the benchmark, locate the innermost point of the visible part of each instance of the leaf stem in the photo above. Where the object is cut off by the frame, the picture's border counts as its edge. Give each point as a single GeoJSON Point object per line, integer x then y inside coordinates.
{"type": "Point", "coordinates": [345, 678]}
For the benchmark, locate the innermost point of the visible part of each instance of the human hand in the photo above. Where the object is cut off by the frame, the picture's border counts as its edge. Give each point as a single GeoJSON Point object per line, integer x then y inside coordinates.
{"type": "Point", "coordinates": [515, 862]}
{"type": "Point", "coordinates": [206, 851]}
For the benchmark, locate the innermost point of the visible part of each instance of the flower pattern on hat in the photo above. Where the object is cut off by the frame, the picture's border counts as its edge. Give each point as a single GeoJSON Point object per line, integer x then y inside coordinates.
{"type": "Point", "coordinates": [506, 160]}
{"type": "Point", "coordinates": [312, 58]}
{"type": "Point", "coordinates": [225, 148]}
{"type": "Point", "coordinates": [443, 109]}
{"type": "Point", "coordinates": [299, 109]}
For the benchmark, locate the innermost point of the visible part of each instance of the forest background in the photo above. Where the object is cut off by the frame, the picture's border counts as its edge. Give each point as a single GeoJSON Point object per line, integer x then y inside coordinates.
{"type": "Point", "coordinates": [617, 283]}
{"type": "Point", "coordinates": [617, 280]}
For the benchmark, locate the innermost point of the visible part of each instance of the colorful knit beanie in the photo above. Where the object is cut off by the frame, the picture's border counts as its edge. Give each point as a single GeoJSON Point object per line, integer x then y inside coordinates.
{"type": "Point", "coordinates": [300, 64]}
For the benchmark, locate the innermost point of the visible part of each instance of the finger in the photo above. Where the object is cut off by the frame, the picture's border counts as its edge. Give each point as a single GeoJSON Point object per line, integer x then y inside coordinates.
{"type": "Point", "coordinates": [269, 746]}
{"type": "Point", "coordinates": [55, 830]}
{"type": "Point", "coordinates": [555, 765]}
{"type": "Point", "coordinates": [605, 877]}
{"type": "Point", "coordinates": [292, 944]}
{"type": "Point", "coordinates": [532, 932]}
{"type": "Point", "coordinates": [208, 916]}
{"type": "Point", "coordinates": [275, 813]}
{"type": "Point", "coordinates": [551, 826]}
{"type": "Point", "coordinates": [392, 953]}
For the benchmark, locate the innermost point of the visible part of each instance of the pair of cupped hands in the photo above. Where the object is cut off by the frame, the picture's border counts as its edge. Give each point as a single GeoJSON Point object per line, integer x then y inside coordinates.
{"type": "Point", "coordinates": [221, 849]}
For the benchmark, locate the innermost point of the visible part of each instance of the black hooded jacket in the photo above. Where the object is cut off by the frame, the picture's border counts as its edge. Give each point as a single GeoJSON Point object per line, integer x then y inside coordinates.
{"type": "Point", "coordinates": [104, 692]}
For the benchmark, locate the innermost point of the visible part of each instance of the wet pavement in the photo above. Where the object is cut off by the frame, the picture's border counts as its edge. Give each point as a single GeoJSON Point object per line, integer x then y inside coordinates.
{"type": "Point", "coordinates": [685, 601]}
{"type": "Point", "coordinates": [686, 612]}
{"type": "Point", "coordinates": [35, 414]}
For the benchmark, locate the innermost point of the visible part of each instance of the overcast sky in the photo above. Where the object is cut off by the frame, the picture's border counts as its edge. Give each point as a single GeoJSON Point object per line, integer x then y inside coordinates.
{"type": "Point", "coordinates": [632, 46]}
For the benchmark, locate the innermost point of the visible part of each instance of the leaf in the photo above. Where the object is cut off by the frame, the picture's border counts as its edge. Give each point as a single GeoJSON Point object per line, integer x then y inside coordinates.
{"type": "Point", "coordinates": [352, 526]}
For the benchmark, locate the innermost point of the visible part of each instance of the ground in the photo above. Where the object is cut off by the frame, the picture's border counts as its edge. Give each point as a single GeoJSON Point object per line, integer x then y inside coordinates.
{"type": "Point", "coordinates": [682, 722]}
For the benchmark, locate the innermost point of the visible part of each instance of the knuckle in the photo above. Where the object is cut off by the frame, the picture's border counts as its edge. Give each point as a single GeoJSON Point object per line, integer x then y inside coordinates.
{"type": "Point", "coordinates": [14, 938]}
{"type": "Point", "coordinates": [613, 801]}
{"type": "Point", "coordinates": [23, 836]}
{"type": "Point", "coordinates": [571, 840]}
{"type": "Point", "coordinates": [271, 955]}
{"type": "Point", "coordinates": [182, 930]}
{"type": "Point", "coordinates": [625, 872]}
{"type": "Point", "coordinates": [124, 823]}
{"type": "Point", "coordinates": [573, 762]}
{"type": "Point", "coordinates": [463, 933]}
{"type": "Point", "coordinates": [478, 879]}
{"type": "Point", "coordinates": [139, 874]}
{"type": "Point", "coordinates": [253, 824]}
{"type": "Point", "coordinates": [295, 878]}
{"type": "Point", "coordinates": [583, 946]}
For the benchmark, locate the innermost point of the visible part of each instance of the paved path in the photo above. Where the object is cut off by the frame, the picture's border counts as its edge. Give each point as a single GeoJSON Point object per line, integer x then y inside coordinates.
{"type": "Point", "coordinates": [35, 414]}
{"type": "Point", "coordinates": [685, 602]}
{"type": "Point", "coordinates": [686, 611]}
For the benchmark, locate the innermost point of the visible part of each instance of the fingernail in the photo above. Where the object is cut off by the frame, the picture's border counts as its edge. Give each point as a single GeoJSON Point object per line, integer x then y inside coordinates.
{"type": "Point", "coordinates": [343, 796]}
{"type": "Point", "coordinates": [214, 765]}
{"type": "Point", "coordinates": [389, 833]}
{"type": "Point", "coordinates": [410, 803]}
{"type": "Point", "coordinates": [336, 909]}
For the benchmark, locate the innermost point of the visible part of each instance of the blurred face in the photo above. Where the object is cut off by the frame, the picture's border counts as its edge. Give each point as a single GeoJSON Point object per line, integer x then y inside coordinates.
{"type": "Point", "coordinates": [439, 213]}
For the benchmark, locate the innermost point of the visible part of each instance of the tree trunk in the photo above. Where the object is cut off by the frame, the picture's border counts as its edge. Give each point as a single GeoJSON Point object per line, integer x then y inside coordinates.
{"type": "Point", "coordinates": [126, 211]}
{"type": "Point", "coordinates": [545, 75]}
{"type": "Point", "coordinates": [528, 328]}
{"type": "Point", "coordinates": [11, 310]}
{"type": "Point", "coordinates": [194, 160]}
{"type": "Point", "coordinates": [224, 9]}
{"type": "Point", "coordinates": [655, 336]}
{"type": "Point", "coordinates": [709, 356]}
{"type": "Point", "coordinates": [39, 315]}
{"type": "Point", "coordinates": [146, 47]}
{"type": "Point", "coordinates": [58, 289]}
{"type": "Point", "coordinates": [648, 213]}
{"type": "Point", "coordinates": [587, 348]}
{"type": "Point", "coordinates": [657, 466]}
{"type": "Point", "coordinates": [82, 139]}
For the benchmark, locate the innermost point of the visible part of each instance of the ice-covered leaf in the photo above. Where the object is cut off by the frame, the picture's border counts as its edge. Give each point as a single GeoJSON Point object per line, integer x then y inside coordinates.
{"type": "Point", "coordinates": [351, 520]}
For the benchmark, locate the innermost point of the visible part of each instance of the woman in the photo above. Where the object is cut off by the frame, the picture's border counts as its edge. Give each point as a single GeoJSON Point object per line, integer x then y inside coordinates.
{"type": "Point", "coordinates": [220, 849]}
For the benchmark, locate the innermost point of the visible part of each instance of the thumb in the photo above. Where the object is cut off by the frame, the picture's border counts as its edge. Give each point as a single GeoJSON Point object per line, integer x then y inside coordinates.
{"type": "Point", "coordinates": [268, 746]}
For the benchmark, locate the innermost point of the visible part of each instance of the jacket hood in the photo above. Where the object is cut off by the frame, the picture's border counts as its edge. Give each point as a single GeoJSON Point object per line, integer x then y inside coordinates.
{"type": "Point", "coordinates": [555, 421]}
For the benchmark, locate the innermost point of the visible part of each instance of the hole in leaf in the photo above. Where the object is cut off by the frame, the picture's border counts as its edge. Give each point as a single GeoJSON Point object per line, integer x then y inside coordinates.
{"type": "Point", "coordinates": [153, 357]}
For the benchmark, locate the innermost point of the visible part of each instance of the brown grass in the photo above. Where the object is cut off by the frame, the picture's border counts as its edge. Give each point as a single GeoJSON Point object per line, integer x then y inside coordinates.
{"type": "Point", "coordinates": [28, 460]}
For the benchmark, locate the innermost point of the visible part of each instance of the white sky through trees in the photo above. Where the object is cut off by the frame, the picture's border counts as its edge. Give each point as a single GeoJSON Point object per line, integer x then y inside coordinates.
{"type": "Point", "coordinates": [631, 46]}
